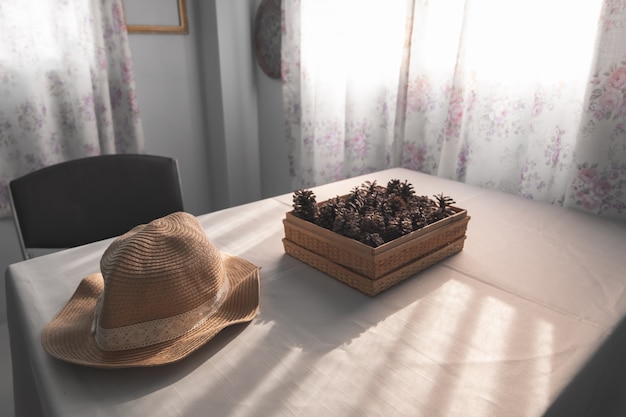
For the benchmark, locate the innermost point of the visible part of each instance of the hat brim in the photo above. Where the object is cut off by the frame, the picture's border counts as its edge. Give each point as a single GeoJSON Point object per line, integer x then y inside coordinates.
{"type": "Point", "coordinates": [69, 336]}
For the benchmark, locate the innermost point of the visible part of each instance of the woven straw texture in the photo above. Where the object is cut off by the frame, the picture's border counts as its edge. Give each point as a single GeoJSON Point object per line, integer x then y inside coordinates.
{"type": "Point", "coordinates": [372, 270]}
{"type": "Point", "coordinates": [164, 290]}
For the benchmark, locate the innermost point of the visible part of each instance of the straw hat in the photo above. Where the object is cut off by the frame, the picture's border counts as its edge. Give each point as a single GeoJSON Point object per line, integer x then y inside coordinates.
{"type": "Point", "coordinates": [164, 291]}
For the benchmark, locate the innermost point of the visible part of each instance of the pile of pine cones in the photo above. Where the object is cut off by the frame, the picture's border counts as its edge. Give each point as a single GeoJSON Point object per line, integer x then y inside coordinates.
{"type": "Point", "coordinates": [373, 214]}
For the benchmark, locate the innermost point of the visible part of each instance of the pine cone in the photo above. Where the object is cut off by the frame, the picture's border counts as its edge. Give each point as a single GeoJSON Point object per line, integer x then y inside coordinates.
{"type": "Point", "coordinates": [373, 222]}
{"type": "Point", "coordinates": [372, 239]}
{"type": "Point", "coordinates": [443, 206]}
{"type": "Point", "coordinates": [304, 205]}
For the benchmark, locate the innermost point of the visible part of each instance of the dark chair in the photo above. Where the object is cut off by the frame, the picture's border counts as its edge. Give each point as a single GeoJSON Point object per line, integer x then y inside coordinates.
{"type": "Point", "coordinates": [89, 199]}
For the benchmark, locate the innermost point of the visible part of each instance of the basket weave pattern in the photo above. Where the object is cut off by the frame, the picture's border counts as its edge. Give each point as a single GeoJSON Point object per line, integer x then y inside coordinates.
{"type": "Point", "coordinates": [372, 270]}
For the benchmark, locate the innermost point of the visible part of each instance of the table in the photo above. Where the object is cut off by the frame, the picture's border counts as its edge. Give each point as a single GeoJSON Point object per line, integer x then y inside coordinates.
{"type": "Point", "coordinates": [525, 321]}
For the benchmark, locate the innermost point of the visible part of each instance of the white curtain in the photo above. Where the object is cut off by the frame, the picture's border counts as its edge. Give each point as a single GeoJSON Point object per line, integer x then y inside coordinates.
{"type": "Point", "coordinates": [66, 85]}
{"type": "Point", "coordinates": [526, 97]}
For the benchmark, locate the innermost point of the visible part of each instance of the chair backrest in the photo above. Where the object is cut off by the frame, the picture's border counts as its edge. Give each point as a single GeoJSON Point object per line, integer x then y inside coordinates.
{"type": "Point", "coordinates": [89, 199]}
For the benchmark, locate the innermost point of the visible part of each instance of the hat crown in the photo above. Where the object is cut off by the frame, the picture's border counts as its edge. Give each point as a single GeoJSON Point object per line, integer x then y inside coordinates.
{"type": "Point", "coordinates": [157, 271]}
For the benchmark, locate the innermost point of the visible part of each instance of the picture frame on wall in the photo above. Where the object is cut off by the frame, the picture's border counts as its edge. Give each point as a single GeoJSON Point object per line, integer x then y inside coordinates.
{"type": "Point", "coordinates": [156, 16]}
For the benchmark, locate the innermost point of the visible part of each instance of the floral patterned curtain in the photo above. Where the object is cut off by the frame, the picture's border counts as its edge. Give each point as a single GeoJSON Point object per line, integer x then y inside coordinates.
{"type": "Point", "coordinates": [66, 85]}
{"type": "Point", "coordinates": [480, 91]}
{"type": "Point", "coordinates": [599, 168]}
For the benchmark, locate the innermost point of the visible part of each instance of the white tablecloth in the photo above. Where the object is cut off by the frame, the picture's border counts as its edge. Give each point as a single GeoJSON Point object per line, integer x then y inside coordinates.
{"type": "Point", "coordinates": [499, 329]}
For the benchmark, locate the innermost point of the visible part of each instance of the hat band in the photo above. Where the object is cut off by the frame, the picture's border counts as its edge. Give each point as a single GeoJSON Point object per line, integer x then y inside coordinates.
{"type": "Point", "coordinates": [156, 331]}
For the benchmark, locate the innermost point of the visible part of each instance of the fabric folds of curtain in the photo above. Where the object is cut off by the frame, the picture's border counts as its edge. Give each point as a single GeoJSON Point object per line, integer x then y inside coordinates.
{"type": "Point", "coordinates": [480, 91]}
{"type": "Point", "coordinates": [598, 181]}
{"type": "Point", "coordinates": [66, 85]}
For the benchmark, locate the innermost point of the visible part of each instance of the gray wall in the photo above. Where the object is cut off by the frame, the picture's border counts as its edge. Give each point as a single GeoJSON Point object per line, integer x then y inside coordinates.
{"type": "Point", "coordinates": [205, 101]}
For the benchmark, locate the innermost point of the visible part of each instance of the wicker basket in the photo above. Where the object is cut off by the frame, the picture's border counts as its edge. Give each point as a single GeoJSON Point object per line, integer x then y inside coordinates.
{"type": "Point", "coordinates": [372, 270]}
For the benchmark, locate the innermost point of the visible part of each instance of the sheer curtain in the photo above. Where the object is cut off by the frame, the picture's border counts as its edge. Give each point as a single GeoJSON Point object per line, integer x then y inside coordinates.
{"type": "Point", "coordinates": [66, 85]}
{"type": "Point", "coordinates": [526, 97]}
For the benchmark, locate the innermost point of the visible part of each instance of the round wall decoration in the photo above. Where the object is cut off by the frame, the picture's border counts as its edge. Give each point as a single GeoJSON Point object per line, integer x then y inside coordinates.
{"type": "Point", "coordinates": [267, 36]}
